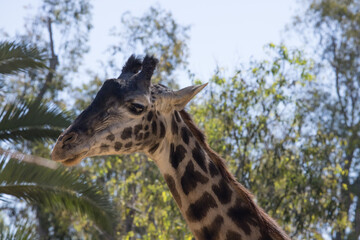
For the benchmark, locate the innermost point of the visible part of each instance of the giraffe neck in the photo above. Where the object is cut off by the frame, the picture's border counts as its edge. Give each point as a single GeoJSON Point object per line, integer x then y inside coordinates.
{"type": "Point", "coordinates": [213, 205]}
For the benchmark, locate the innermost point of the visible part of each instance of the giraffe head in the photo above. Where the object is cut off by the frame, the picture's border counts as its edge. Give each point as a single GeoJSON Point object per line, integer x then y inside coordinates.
{"type": "Point", "coordinates": [127, 115]}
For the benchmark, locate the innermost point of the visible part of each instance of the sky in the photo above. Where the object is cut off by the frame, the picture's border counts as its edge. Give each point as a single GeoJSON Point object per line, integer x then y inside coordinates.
{"type": "Point", "coordinates": [223, 33]}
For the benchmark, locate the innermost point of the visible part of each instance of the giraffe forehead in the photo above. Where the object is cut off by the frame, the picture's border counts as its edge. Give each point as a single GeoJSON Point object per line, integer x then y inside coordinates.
{"type": "Point", "coordinates": [119, 89]}
{"type": "Point", "coordinates": [114, 92]}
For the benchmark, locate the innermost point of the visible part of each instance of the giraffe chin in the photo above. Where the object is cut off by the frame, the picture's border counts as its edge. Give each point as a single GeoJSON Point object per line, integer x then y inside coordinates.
{"type": "Point", "coordinates": [73, 161]}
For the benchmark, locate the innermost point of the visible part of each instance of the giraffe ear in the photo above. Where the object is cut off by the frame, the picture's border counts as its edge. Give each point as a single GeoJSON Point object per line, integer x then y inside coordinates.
{"type": "Point", "coordinates": [177, 100]}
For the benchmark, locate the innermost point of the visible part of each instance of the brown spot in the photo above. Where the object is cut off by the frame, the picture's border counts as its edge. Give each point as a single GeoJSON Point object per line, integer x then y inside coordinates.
{"type": "Point", "coordinates": [212, 231]}
{"type": "Point", "coordinates": [117, 146]}
{"type": "Point", "coordinates": [177, 116]}
{"type": "Point", "coordinates": [146, 135]}
{"type": "Point", "coordinates": [199, 157]}
{"type": "Point", "coordinates": [174, 126]}
{"type": "Point", "coordinates": [242, 216]}
{"type": "Point", "coordinates": [172, 186]}
{"type": "Point", "coordinates": [129, 144]}
{"type": "Point", "coordinates": [231, 235]}
{"type": "Point", "coordinates": [104, 148]}
{"type": "Point", "coordinates": [176, 155]}
{"type": "Point", "coordinates": [154, 127]}
{"type": "Point", "coordinates": [150, 116]}
{"type": "Point", "coordinates": [146, 127]}
{"type": "Point", "coordinates": [139, 137]}
{"type": "Point", "coordinates": [265, 235]}
{"type": "Point", "coordinates": [162, 130]}
{"type": "Point", "coordinates": [213, 169]}
{"type": "Point", "coordinates": [191, 177]}
{"type": "Point", "coordinates": [185, 134]}
{"type": "Point", "coordinates": [137, 129]}
{"type": "Point", "coordinates": [110, 137]}
{"type": "Point", "coordinates": [222, 191]}
{"type": "Point", "coordinates": [154, 148]}
{"type": "Point", "coordinates": [198, 210]}
{"type": "Point", "coordinates": [126, 133]}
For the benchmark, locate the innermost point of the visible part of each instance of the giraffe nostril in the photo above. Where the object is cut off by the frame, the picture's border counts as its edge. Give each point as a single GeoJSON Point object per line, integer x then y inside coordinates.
{"type": "Point", "coordinates": [69, 138]}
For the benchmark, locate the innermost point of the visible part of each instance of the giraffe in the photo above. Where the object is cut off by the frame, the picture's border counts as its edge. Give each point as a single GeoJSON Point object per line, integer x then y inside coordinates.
{"type": "Point", "coordinates": [129, 114]}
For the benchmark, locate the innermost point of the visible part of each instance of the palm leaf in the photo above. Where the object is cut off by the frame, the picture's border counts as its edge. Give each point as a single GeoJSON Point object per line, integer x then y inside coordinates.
{"type": "Point", "coordinates": [21, 231]}
{"type": "Point", "coordinates": [31, 120]}
{"type": "Point", "coordinates": [55, 188]}
{"type": "Point", "coordinates": [17, 57]}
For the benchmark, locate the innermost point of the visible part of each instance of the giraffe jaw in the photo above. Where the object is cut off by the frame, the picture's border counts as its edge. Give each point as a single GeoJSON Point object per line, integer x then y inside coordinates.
{"type": "Point", "coordinates": [72, 161]}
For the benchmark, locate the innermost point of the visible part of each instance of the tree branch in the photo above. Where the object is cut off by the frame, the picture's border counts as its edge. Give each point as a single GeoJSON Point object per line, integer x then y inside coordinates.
{"type": "Point", "coordinates": [52, 66]}
{"type": "Point", "coordinates": [337, 82]}
{"type": "Point", "coordinates": [357, 219]}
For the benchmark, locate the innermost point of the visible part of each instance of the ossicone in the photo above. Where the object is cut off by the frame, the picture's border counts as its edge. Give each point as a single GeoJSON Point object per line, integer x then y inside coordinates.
{"type": "Point", "coordinates": [131, 67]}
{"type": "Point", "coordinates": [143, 78]}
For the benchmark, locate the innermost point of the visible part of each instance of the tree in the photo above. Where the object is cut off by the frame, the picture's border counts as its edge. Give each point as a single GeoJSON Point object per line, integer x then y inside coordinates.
{"type": "Point", "coordinates": [334, 101]}
{"type": "Point", "coordinates": [63, 56]}
{"type": "Point", "coordinates": [54, 189]}
{"type": "Point", "coordinates": [156, 32]}
{"type": "Point", "coordinates": [35, 121]}
{"type": "Point", "coordinates": [19, 57]}
{"type": "Point", "coordinates": [70, 19]}
{"type": "Point", "coordinates": [251, 119]}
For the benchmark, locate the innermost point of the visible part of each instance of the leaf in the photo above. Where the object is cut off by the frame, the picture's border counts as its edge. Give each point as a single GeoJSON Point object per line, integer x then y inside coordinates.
{"type": "Point", "coordinates": [21, 231]}
{"type": "Point", "coordinates": [31, 120]}
{"type": "Point", "coordinates": [18, 57]}
{"type": "Point", "coordinates": [55, 188]}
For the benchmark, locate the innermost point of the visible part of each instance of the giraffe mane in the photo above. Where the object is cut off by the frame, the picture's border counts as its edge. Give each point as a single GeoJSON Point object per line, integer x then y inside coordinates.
{"type": "Point", "coordinates": [267, 225]}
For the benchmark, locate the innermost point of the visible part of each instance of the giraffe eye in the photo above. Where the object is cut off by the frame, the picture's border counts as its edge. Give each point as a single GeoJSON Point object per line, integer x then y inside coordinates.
{"type": "Point", "coordinates": [136, 108]}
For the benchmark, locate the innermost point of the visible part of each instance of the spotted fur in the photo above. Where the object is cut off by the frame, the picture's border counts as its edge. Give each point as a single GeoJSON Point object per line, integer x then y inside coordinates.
{"type": "Point", "coordinates": [176, 155]}
{"type": "Point", "coordinates": [212, 231]}
{"type": "Point", "coordinates": [191, 178]}
{"type": "Point", "coordinates": [171, 184]}
{"type": "Point", "coordinates": [200, 208]}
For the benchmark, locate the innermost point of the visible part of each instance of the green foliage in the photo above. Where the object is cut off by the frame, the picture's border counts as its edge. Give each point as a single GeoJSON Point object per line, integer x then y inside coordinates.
{"type": "Point", "coordinates": [17, 57]}
{"type": "Point", "coordinates": [144, 203]}
{"type": "Point", "coordinates": [45, 188]}
{"type": "Point", "coordinates": [64, 55]}
{"type": "Point", "coordinates": [31, 120]}
{"type": "Point", "coordinates": [288, 136]}
{"type": "Point", "coordinates": [55, 188]}
{"type": "Point", "coordinates": [21, 231]}
{"type": "Point", "coordinates": [156, 32]}
{"type": "Point", "coordinates": [72, 19]}
{"type": "Point", "coordinates": [250, 118]}
{"type": "Point", "coordinates": [332, 107]}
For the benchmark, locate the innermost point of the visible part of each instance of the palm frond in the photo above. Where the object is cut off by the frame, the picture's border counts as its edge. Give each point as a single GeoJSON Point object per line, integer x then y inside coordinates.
{"type": "Point", "coordinates": [32, 134]}
{"type": "Point", "coordinates": [55, 188]}
{"type": "Point", "coordinates": [21, 231]}
{"type": "Point", "coordinates": [31, 120]}
{"type": "Point", "coordinates": [18, 57]}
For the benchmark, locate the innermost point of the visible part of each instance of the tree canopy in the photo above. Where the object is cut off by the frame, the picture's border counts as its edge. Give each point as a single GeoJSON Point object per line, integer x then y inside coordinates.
{"type": "Point", "coordinates": [287, 125]}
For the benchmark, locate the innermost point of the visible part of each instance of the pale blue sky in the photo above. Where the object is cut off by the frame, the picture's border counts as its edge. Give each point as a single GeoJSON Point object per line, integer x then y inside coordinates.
{"type": "Point", "coordinates": [223, 33]}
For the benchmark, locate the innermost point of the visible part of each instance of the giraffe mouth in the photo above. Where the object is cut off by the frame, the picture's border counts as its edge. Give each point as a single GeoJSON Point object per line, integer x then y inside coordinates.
{"type": "Point", "coordinates": [74, 160]}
